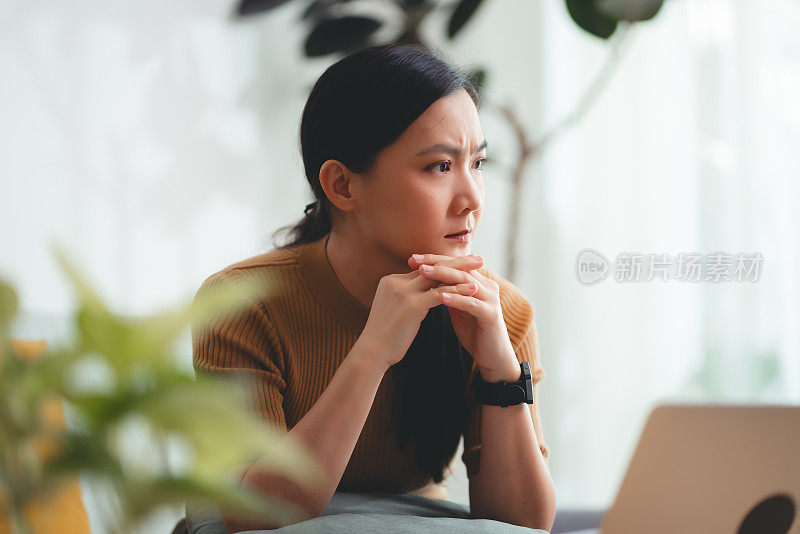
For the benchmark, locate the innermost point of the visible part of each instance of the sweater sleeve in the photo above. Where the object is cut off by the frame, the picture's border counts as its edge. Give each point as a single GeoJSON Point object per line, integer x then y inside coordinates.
{"type": "Point", "coordinates": [244, 344]}
{"type": "Point", "coordinates": [518, 314]}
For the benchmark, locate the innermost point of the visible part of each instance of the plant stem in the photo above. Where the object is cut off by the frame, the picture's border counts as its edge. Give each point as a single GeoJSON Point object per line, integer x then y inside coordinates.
{"type": "Point", "coordinates": [595, 88]}
{"type": "Point", "coordinates": [19, 524]}
{"type": "Point", "coordinates": [528, 150]}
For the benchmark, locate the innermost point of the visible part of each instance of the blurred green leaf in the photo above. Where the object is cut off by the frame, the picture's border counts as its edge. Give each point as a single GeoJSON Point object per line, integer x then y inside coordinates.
{"type": "Point", "coordinates": [147, 495]}
{"type": "Point", "coordinates": [86, 453]}
{"type": "Point", "coordinates": [146, 385]}
{"type": "Point", "coordinates": [85, 293]}
{"type": "Point", "coordinates": [213, 301]}
{"type": "Point", "coordinates": [630, 10]}
{"type": "Point", "coordinates": [586, 15]}
{"type": "Point", "coordinates": [99, 411]}
{"type": "Point", "coordinates": [250, 7]}
{"type": "Point", "coordinates": [765, 373]}
{"type": "Point", "coordinates": [8, 303]}
{"type": "Point", "coordinates": [461, 15]}
{"type": "Point", "coordinates": [211, 420]}
{"type": "Point", "coordinates": [126, 342]}
{"type": "Point", "coordinates": [320, 8]}
{"type": "Point", "coordinates": [339, 34]}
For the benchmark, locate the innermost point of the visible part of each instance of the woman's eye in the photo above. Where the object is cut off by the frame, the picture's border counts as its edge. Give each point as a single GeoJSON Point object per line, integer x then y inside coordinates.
{"type": "Point", "coordinates": [444, 166]}
{"type": "Point", "coordinates": [438, 166]}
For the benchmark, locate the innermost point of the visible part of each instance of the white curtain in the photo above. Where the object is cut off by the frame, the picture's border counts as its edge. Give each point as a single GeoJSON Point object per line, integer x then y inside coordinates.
{"type": "Point", "coordinates": [691, 149]}
{"type": "Point", "coordinates": [158, 142]}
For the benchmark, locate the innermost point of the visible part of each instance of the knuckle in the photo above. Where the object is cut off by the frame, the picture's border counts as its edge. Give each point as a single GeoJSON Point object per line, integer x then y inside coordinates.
{"type": "Point", "coordinates": [385, 282]}
{"type": "Point", "coordinates": [391, 283]}
{"type": "Point", "coordinates": [445, 289]}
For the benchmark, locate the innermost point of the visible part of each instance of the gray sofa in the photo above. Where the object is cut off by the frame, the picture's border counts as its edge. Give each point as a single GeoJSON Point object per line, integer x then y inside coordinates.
{"type": "Point", "coordinates": [388, 513]}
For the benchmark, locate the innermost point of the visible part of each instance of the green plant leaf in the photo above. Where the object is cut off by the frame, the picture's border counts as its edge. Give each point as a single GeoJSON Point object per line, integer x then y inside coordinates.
{"type": "Point", "coordinates": [461, 14]}
{"type": "Point", "coordinates": [146, 495]}
{"type": "Point", "coordinates": [98, 411]}
{"type": "Point", "coordinates": [128, 342]}
{"type": "Point", "coordinates": [206, 421]}
{"type": "Point", "coordinates": [339, 34]}
{"type": "Point", "coordinates": [8, 304]}
{"type": "Point", "coordinates": [82, 287]}
{"type": "Point", "coordinates": [250, 7]}
{"type": "Point", "coordinates": [149, 392]}
{"type": "Point", "coordinates": [586, 15]}
{"type": "Point", "coordinates": [320, 8]}
{"type": "Point", "coordinates": [214, 300]}
{"type": "Point", "coordinates": [630, 10]}
{"type": "Point", "coordinates": [83, 453]}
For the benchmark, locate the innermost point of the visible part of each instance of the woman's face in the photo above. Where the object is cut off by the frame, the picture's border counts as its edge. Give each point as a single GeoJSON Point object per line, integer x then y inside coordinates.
{"type": "Point", "coordinates": [428, 183]}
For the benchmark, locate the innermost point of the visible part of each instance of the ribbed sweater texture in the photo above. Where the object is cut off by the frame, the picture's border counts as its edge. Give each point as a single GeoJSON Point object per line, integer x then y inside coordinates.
{"type": "Point", "coordinates": [292, 340]}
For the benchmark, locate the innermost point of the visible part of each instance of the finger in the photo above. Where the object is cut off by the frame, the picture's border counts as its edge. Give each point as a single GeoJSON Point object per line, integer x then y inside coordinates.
{"type": "Point", "coordinates": [484, 290]}
{"type": "Point", "coordinates": [429, 258]}
{"type": "Point", "coordinates": [414, 263]}
{"type": "Point", "coordinates": [488, 290]}
{"type": "Point", "coordinates": [419, 259]}
{"type": "Point", "coordinates": [434, 295]}
{"type": "Point", "coordinates": [468, 289]}
{"type": "Point", "coordinates": [475, 307]}
{"type": "Point", "coordinates": [432, 259]}
{"type": "Point", "coordinates": [446, 274]}
{"type": "Point", "coordinates": [482, 278]}
{"type": "Point", "coordinates": [420, 283]}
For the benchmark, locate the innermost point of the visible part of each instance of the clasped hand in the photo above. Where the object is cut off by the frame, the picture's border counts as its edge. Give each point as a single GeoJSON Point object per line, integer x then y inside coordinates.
{"type": "Point", "coordinates": [477, 318]}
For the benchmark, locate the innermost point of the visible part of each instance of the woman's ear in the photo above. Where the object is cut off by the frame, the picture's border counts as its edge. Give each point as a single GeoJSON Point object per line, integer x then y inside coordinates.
{"type": "Point", "coordinates": [338, 183]}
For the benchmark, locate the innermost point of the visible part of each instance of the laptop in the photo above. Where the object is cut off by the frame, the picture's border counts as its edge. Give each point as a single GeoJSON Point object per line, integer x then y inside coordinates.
{"type": "Point", "coordinates": [712, 468]}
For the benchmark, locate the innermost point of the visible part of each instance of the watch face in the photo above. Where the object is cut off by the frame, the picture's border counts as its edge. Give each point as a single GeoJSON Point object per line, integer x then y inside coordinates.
{"type": "Point", "coordinates": [516, 394]}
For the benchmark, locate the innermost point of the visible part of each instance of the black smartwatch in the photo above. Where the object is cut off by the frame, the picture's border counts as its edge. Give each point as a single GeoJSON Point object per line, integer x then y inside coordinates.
{"type": "Point", "coordinates": [505, 393]}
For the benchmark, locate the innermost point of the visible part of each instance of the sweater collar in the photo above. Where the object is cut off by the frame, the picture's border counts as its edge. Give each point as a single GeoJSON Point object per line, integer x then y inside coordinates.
{"type": "Point", "coordinates": [328, 289]}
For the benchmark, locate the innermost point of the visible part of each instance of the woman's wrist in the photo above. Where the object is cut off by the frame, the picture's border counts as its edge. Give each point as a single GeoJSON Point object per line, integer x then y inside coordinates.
{"type": "Point", "coordinates": [507, 371]}
{"type": "Point", "coordinates": [368, 354]}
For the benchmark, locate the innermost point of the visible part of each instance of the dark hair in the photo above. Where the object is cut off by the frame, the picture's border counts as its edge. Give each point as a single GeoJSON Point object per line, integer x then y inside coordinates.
{"type": "Point", "coordinates": [360, 105]}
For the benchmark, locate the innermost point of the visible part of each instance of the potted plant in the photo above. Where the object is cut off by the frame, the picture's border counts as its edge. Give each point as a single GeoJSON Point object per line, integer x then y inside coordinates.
{"type": "Point", "coordinates": [145, 393]}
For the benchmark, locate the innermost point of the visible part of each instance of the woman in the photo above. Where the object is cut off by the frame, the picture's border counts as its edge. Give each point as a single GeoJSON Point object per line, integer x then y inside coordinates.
{"type": "Point", "coordinates": [375, 319]}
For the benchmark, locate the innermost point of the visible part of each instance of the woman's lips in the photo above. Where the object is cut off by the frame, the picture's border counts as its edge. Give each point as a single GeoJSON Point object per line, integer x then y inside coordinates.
{"type": "Point", "coordinates": [461, 237]}
{"type": "Point", "coordinates": [458, 233]}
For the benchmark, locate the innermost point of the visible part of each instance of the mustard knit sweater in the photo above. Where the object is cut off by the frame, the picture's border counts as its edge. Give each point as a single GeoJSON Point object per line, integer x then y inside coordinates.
{"type": "Point", "coordinates": [295, 338]}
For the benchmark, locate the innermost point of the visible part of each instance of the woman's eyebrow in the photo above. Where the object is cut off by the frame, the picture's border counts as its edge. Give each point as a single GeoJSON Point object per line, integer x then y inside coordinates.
{"type": "Point", "coordinates": [455, 151]}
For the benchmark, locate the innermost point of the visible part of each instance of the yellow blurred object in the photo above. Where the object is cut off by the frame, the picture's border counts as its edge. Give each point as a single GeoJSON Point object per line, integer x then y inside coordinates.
{"type": "Point", "coordinates": [63, 511]}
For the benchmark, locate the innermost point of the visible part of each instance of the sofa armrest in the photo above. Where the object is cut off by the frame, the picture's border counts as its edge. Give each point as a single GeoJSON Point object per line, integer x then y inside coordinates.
{"type": "Point", "coordinates": [570, 520]}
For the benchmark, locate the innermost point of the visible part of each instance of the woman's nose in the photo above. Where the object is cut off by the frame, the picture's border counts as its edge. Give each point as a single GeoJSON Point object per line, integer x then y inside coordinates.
{"type": "Point", "coordinates": [469, 191]}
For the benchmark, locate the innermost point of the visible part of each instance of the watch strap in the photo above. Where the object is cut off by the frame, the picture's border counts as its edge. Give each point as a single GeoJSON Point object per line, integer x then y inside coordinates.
{"type": "Point", "coordinates": [505, 393]}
